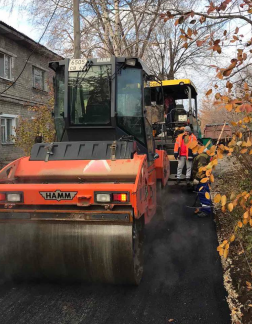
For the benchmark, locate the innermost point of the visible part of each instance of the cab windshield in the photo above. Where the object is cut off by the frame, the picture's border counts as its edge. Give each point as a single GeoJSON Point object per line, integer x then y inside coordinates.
{"type": "Point", "coordinates": [129, 103]}
{"type": "Point", "coordinates": [89, 96]}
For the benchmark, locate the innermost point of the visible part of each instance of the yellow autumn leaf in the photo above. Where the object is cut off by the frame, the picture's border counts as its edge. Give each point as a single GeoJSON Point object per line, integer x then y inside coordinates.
{"type": "Point", "coordinates": [225, 254]}
{"type": "Point", "coordinates": [207, 195]}
{"type": "Point", "coordinates": [208, 172]}
{"type": "Point", "coordinates": [219, 154]}
{"type": "Point", "coordinates": [246, 120]}
{"type": "Point", "coordinates": [220, 247]}
{"type": "Point", "coordinates": [201, 149]}
{"type": "Point", "coordinates": [245, 222]}
{"type": "Point", "coordinates": [230, 207]}
{"type": "Point", "coordinates": [232, 196]}
{"type": "Point", "coordinates": [232, 238]}
{"type": "Point", "coordinates": [227, 246]}
{"type": "Point", "coordinates": [229, 107]}
{"type": "Point", "coordinates": [201, 188]}
{"type": "Point", "coordinates": [215, 162]}
{"type": "Point", "coordinates": [238, 109]}
{"type": "Point", "coordinates": [221, 252]}
{"type": "Point", "coordinates": [239, 224]}
{"type": "Point", "coordinates": [223, 200]}
{"type": "Point", "coordinates": [249, 285]}
{"type": "Point", "coordinates": [192, 144]}
{"type": "Point", "coordinates": [246, 214]}
{"type": "Point", "coordinates": [243, 151]}
{"type": "Point", "coordinates": [232, 143]}
{"type": "Point", "coordinates": [249, 143]}
{"type": "Point", "coordinates": [217, 198]}
{"type": "Point", "coordinates": [223, 209]}
{"type": "Point", "coordinates": [204, 180]}
{"type": "Point", "coordinates": [195, 150]}
{"type": "Point", "coordinates": [211, 178]}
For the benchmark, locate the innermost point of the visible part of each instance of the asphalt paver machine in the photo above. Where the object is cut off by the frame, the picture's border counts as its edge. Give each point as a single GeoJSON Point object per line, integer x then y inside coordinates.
{"type": "Point", "coordinates": [180, 97]}
{"type": "Point", "coordinates": [76, 208]}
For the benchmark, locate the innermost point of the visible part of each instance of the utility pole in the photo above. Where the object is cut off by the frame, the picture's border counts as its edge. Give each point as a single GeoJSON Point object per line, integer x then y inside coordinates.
{"type": "Point", "coordinates": [77, 34]}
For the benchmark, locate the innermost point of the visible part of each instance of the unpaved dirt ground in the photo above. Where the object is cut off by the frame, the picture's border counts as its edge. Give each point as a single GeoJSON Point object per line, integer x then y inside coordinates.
{"type": "Point", "coordinates": [238, 266]}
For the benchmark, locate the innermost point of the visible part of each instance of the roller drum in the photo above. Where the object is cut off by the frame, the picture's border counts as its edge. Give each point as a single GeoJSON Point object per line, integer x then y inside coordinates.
{"type": "Point", "coordinates": [72, 251]}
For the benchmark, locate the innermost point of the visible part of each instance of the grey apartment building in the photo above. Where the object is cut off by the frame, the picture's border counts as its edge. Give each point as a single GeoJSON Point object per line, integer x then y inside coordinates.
{"type": "Point", "coordinates": [31, 89]}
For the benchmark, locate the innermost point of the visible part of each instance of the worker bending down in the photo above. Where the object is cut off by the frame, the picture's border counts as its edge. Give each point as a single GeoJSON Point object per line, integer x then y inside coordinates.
{"type": "Point", "coordinates": [183, 154]}
{"type": "Point", "coordinates": [202, 188]}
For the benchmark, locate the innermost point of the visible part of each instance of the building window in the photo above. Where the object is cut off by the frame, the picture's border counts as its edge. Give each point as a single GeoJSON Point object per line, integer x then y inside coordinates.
{"type": "Point", "coordinates": [5, 66]}
{"type": "Point", "coordinates": [8, 124]}
{"type": "Point", "coordinates": [38, 78]}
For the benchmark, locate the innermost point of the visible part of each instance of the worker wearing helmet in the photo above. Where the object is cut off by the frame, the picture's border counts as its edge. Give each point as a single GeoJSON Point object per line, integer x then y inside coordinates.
{"type": "Point", "coordinates": [183, 154]}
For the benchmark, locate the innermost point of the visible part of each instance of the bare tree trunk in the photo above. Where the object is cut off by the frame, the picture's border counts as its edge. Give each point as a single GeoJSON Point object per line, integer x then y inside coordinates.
{"type": "Point", "coordinates": [151, 27]}
{"type": "Point", "coordinates": [77, 33]}
{"type": "Point", "coordinates": [171, 74]}
{"type": "Point", "coordinates": [110, 30]}
{"type": "Point", "coordinates": [117, 26]}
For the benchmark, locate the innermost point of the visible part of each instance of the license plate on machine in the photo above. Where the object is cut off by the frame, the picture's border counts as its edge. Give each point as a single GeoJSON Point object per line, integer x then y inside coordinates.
{"type": "Point", "coordinates": [182, 118]}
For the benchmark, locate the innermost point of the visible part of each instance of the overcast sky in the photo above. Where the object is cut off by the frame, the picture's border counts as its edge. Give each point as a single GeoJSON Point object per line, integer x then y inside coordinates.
{"type": "Point", "coordinates": [19, 19]}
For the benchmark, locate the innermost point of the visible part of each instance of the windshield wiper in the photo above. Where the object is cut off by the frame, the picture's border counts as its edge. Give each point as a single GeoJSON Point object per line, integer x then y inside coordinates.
{"type": "Point", "coordinates": [85, 70]}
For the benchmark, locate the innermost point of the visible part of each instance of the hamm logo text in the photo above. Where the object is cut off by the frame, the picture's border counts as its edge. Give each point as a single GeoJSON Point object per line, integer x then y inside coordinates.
{"type": "Point", "coordinates": [58, 195]}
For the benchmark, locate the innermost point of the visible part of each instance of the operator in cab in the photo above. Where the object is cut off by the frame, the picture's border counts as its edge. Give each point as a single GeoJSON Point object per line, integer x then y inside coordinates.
{"type": "Point", "coordinates": [183, 154]}
{"type": "Point", "coordinates": [169, 105]}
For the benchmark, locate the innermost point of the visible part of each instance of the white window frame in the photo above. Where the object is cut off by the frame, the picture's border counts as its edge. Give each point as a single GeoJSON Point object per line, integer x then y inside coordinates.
{"type": "Point", "coordinates": [11, 66]}
{"type": "Point", "coordinates": [13, 125]}
{"type": "Point", "coordinates": [43, 76]}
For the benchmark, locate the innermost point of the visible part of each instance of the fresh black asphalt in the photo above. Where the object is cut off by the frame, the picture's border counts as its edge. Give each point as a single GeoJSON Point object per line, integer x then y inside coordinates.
{"type": "Point", "coordinates": [182, 280]}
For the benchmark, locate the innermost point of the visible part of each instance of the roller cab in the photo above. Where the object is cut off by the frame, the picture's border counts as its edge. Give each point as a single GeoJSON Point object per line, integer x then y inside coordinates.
{"type": "Point", "coordinates": [75, 209]}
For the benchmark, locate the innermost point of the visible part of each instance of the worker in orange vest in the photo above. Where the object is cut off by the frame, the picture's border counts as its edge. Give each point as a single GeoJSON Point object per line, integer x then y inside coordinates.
{"type": "Point", "coordinates": [183, 154]}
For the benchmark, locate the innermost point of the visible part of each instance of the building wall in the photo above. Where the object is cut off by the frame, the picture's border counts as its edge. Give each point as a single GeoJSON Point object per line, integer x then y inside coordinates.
{"type": "Point", "coordinates": [22, 94]}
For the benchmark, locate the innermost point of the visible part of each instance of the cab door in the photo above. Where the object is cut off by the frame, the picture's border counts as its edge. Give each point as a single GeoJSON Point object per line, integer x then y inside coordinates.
{"type": "Point", "coordinates": [151, 159]}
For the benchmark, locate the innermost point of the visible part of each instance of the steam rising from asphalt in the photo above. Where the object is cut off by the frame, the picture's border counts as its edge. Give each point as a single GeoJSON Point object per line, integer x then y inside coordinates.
{"type": "Point", "coordinates": [163, 255]}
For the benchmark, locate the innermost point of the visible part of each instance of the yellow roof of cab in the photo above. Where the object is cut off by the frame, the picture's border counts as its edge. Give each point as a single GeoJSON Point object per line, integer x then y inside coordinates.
{"type": "Point", "coordinates": [179, 82]}
{"type": "Point", "coordinates": [171, 82]}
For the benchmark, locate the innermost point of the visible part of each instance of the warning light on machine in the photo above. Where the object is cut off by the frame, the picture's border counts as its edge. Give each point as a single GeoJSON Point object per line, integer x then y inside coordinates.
{"type": "Point", "coordinates": [122, 197]}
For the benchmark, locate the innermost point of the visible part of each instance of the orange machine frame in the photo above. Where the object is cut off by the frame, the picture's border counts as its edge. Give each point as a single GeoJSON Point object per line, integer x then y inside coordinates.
{"type": "Point", "coordinates": [135, 176]}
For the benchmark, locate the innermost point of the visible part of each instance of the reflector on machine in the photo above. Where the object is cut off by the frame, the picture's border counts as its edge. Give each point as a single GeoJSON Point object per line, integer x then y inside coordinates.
{"type": "Point", "coordinates": [97, 166]}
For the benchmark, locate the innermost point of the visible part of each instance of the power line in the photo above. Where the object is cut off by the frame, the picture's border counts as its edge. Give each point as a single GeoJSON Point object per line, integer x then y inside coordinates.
{"type": "Point", "coordinates": [33, 50]}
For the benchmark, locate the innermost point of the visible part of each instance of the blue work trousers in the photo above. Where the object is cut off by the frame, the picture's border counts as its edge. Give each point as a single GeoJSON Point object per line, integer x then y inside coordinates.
{"type": "Point", "coordinates": [205, 203]}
